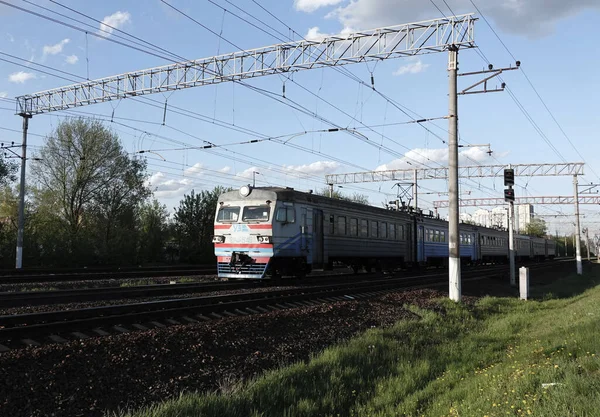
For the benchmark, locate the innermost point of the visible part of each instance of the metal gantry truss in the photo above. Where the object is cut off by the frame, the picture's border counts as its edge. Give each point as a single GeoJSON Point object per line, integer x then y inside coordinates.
{"type": "Point", "coordinates": [475, 171]}
{"type": "Point", "coordinates": [546, 200]}
{"type": "Point", "coordinates": [409, 39]}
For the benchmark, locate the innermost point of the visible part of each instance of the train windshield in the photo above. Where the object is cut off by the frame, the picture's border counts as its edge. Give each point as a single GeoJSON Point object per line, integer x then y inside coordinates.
{"type": "Point", "coordinates": [256, 213]}
{"type": "Point", "coordinates": [228, 214]}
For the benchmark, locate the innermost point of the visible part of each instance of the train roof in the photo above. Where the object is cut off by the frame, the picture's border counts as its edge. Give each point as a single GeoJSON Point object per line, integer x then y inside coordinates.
{"type": "Point", "coordinates": [292, 195]}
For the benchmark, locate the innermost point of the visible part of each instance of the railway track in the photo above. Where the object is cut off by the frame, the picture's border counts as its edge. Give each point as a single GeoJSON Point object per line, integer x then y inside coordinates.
{"type": "Point", "coordinates": [23, 278]}
{"type": "Point", "coordinates": [37, 298]}
{"type": "Point", "coordinates": [17, 331]}
{"type": "Point", "coordinates": [50, 297]}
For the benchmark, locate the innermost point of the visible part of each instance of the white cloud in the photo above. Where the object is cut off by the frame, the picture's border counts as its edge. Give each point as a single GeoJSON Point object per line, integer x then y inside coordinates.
{"type": "Point", "coordinates": [10, 37]}
{"type": "Point", "coordinates": [312, 5]}
{"type": "Point", "coordinates": [195, 169]}
{"type": "Point", "coordinates": [72, 59]}
{"type": "Point", "coordinates": [314, 34]}
{"type": "Point", "coordinates": [114, 21]}
{"type": "Point", "coordinates": [225, 170]}
{"type": "Point", "coordinates": [20, 77]}
{"type": "Point", "coordinates": [414, 67]}
{"type": "Point", "coordinates": [55, 49]}
{"type": "Point", "coordinates": [529, 17]}
{"type": "Point", "coordinates": [3, 94]}
{"type": "Point", "coordinates": [419, 157]}
{"type": "Point", "coordinates": [164, 187]}
{"type": "Point", "coordinates": [315, 168]}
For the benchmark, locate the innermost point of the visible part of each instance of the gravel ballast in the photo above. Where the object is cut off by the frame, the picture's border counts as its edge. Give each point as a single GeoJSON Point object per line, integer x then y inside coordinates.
{"type": "Point", "coordinates": [90, 377]}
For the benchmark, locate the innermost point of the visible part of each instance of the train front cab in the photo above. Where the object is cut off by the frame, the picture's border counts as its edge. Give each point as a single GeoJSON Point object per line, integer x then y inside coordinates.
{"type": "Point", "coordinates": [256, 234]}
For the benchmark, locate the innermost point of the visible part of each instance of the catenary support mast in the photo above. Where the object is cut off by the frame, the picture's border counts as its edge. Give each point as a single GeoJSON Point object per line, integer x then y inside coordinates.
{"type": "Point", "coordinates": [577, 228]}
{"type": "Point", "coordinates": [21, 224]}
{"type": "Point", "coordinates": [453, 209]}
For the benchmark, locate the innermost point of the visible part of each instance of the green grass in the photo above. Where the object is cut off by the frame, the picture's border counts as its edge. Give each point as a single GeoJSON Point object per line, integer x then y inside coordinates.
{"type": "Point", "coordinates": [490, 359]}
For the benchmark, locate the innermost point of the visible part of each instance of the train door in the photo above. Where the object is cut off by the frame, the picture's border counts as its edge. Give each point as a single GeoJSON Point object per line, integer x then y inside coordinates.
{"type": "Point", "coordinates": [474, 247]}
{"type": "Point", "coordinates": [317, 252]}
{"type": "Point", "coordinates": [421, 244]}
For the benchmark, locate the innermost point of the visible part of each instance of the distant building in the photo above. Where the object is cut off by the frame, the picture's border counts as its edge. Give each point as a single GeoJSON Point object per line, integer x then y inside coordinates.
{"type": "Point", "coordinates": [482, 217]}
{"type": "Point", "coordinates": [523, 215]}
{"type": "Point", "coordinates": [499, 217]}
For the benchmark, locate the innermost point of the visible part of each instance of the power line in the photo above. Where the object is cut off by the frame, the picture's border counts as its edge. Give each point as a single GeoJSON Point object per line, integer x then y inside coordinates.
{"type": "Point", "coordinates": [534, 89]}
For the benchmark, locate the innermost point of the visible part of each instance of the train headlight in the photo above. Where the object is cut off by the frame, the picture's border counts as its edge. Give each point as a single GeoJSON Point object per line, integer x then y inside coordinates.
{"type": "Point", "coordinates": [245, 190]}
{"type": "Point", "coordinates": [264, 239]}
{"type": "Point", "coordinates": [218, 239]}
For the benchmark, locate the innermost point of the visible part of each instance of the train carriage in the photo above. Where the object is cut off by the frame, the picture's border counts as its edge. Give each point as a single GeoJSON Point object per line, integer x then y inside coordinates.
{"type": "Point", "coordinates": [281, 231]}
{"type": "Point", "coordinates": [275, 231]}
{"type": "Point", "coordinates": [494, 245]}
{"type": "Point", "coordinates": [433, 240]}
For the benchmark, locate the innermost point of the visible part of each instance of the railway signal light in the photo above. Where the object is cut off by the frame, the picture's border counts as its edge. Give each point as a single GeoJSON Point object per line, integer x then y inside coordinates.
{"type": "Point", "coordinates": [509, 177]}
{"type": "Point", "coordinates": [509, 194]}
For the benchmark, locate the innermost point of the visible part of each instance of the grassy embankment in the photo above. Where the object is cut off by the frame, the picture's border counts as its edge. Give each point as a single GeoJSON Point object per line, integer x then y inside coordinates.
{"type": "Point", "coordinates": [491, 359]}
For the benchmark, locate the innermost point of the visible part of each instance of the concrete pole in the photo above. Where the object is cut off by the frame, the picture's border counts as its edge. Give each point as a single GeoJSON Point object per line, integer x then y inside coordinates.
{"type": "Point", "coordinates": [566, 248]}
{"type": "Point", "coordinates": [21, 224]}
{"type": "Point", "coordinates": [330, 190]}
{"type": "Point", "coordinates": [453, 213]}
{"type": "Point", "coordinates": [511, 243]}
{"type": "Point", "coordinates": [415, 192]}
{"type": "Point", "coordinates": [587, 243]}
{"type": "Point", "coordinates": [577, 228]}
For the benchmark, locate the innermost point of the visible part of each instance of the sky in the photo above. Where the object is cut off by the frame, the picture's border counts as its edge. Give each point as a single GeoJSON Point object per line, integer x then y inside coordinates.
{"type": "Point", "coordinates": [556, 121]}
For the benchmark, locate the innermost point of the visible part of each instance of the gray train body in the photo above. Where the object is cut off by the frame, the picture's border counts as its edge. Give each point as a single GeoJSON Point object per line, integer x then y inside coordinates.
{"type": "Point", "coordinates": [280, 231]}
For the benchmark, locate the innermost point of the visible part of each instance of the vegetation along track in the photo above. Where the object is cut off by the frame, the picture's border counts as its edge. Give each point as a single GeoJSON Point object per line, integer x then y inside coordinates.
{"type": "Point", "coordinates": [58, 326]}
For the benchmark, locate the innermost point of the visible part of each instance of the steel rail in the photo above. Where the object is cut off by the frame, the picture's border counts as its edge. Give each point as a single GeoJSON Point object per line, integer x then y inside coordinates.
{"type": "Point", "coordinates": [36, 298]}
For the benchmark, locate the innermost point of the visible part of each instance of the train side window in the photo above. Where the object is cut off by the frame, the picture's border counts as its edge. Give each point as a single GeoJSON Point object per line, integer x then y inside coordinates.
{"type": "Point", "coordinates": [437, 236]}
{"type": "Point", "coordinates": [331, 224]}
{"type": "Point", "coordinates": [341, 229]}
{"type": "Point", "coordinates": [383, 232]}
{"type": "Point", "coordinates": [353, 227]}
{"type": "Point", "coordinates": [420, 234]}
{"type": "Point", "coordinates": [374, 228]}
{"type": "Point", "coordinates": [364, 228]}
{"type": "Point", "coordinates": [442, 236]}
{"type": "Point", "coordinates": [401, 232]}
{"type": "Point", "coordinates": [392, 231]}
{"type": "Point", "coordinates": [286, 213]}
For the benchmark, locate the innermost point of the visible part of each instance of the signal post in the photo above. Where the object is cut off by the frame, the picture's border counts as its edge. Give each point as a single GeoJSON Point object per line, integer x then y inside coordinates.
{"type": "Point", "coordinates": [509, 195]}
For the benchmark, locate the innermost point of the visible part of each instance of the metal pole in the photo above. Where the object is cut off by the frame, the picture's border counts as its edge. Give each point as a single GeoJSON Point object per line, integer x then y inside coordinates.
{"type": "Point", "coordinates": [415, 192]}
{"type": "Point", "coordinates": [330, 190]}
{"type": "Point", "coordinates": [253, 179]}
{"type": "Point", "coordinates": [21, 225]}
{"type": "Point", "coordinates": [511, 243]}
{"type": "Point", "coordinates": [453, 213]}
{"type": "Point", "coordinates": [566, 247]}
{"type": "Point", "coordinates": [577, 228]}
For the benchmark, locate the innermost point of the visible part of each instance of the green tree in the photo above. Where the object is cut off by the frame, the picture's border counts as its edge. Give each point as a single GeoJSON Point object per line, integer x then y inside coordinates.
{"type": "Point", "coordinates": [194, 219]}
{"type": "Point", "coordinates": [355, 197]}
{"type": "Point", "coordinates": [536, 227]}
{"type": "Point", "coordinates": [153, 231]}
{"type": "Point", "coordinates": [94, 188]}
{"type": "Point", "coordinates": [8, 171]}
{"type": "Point", "coordinates": [8, 226]}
